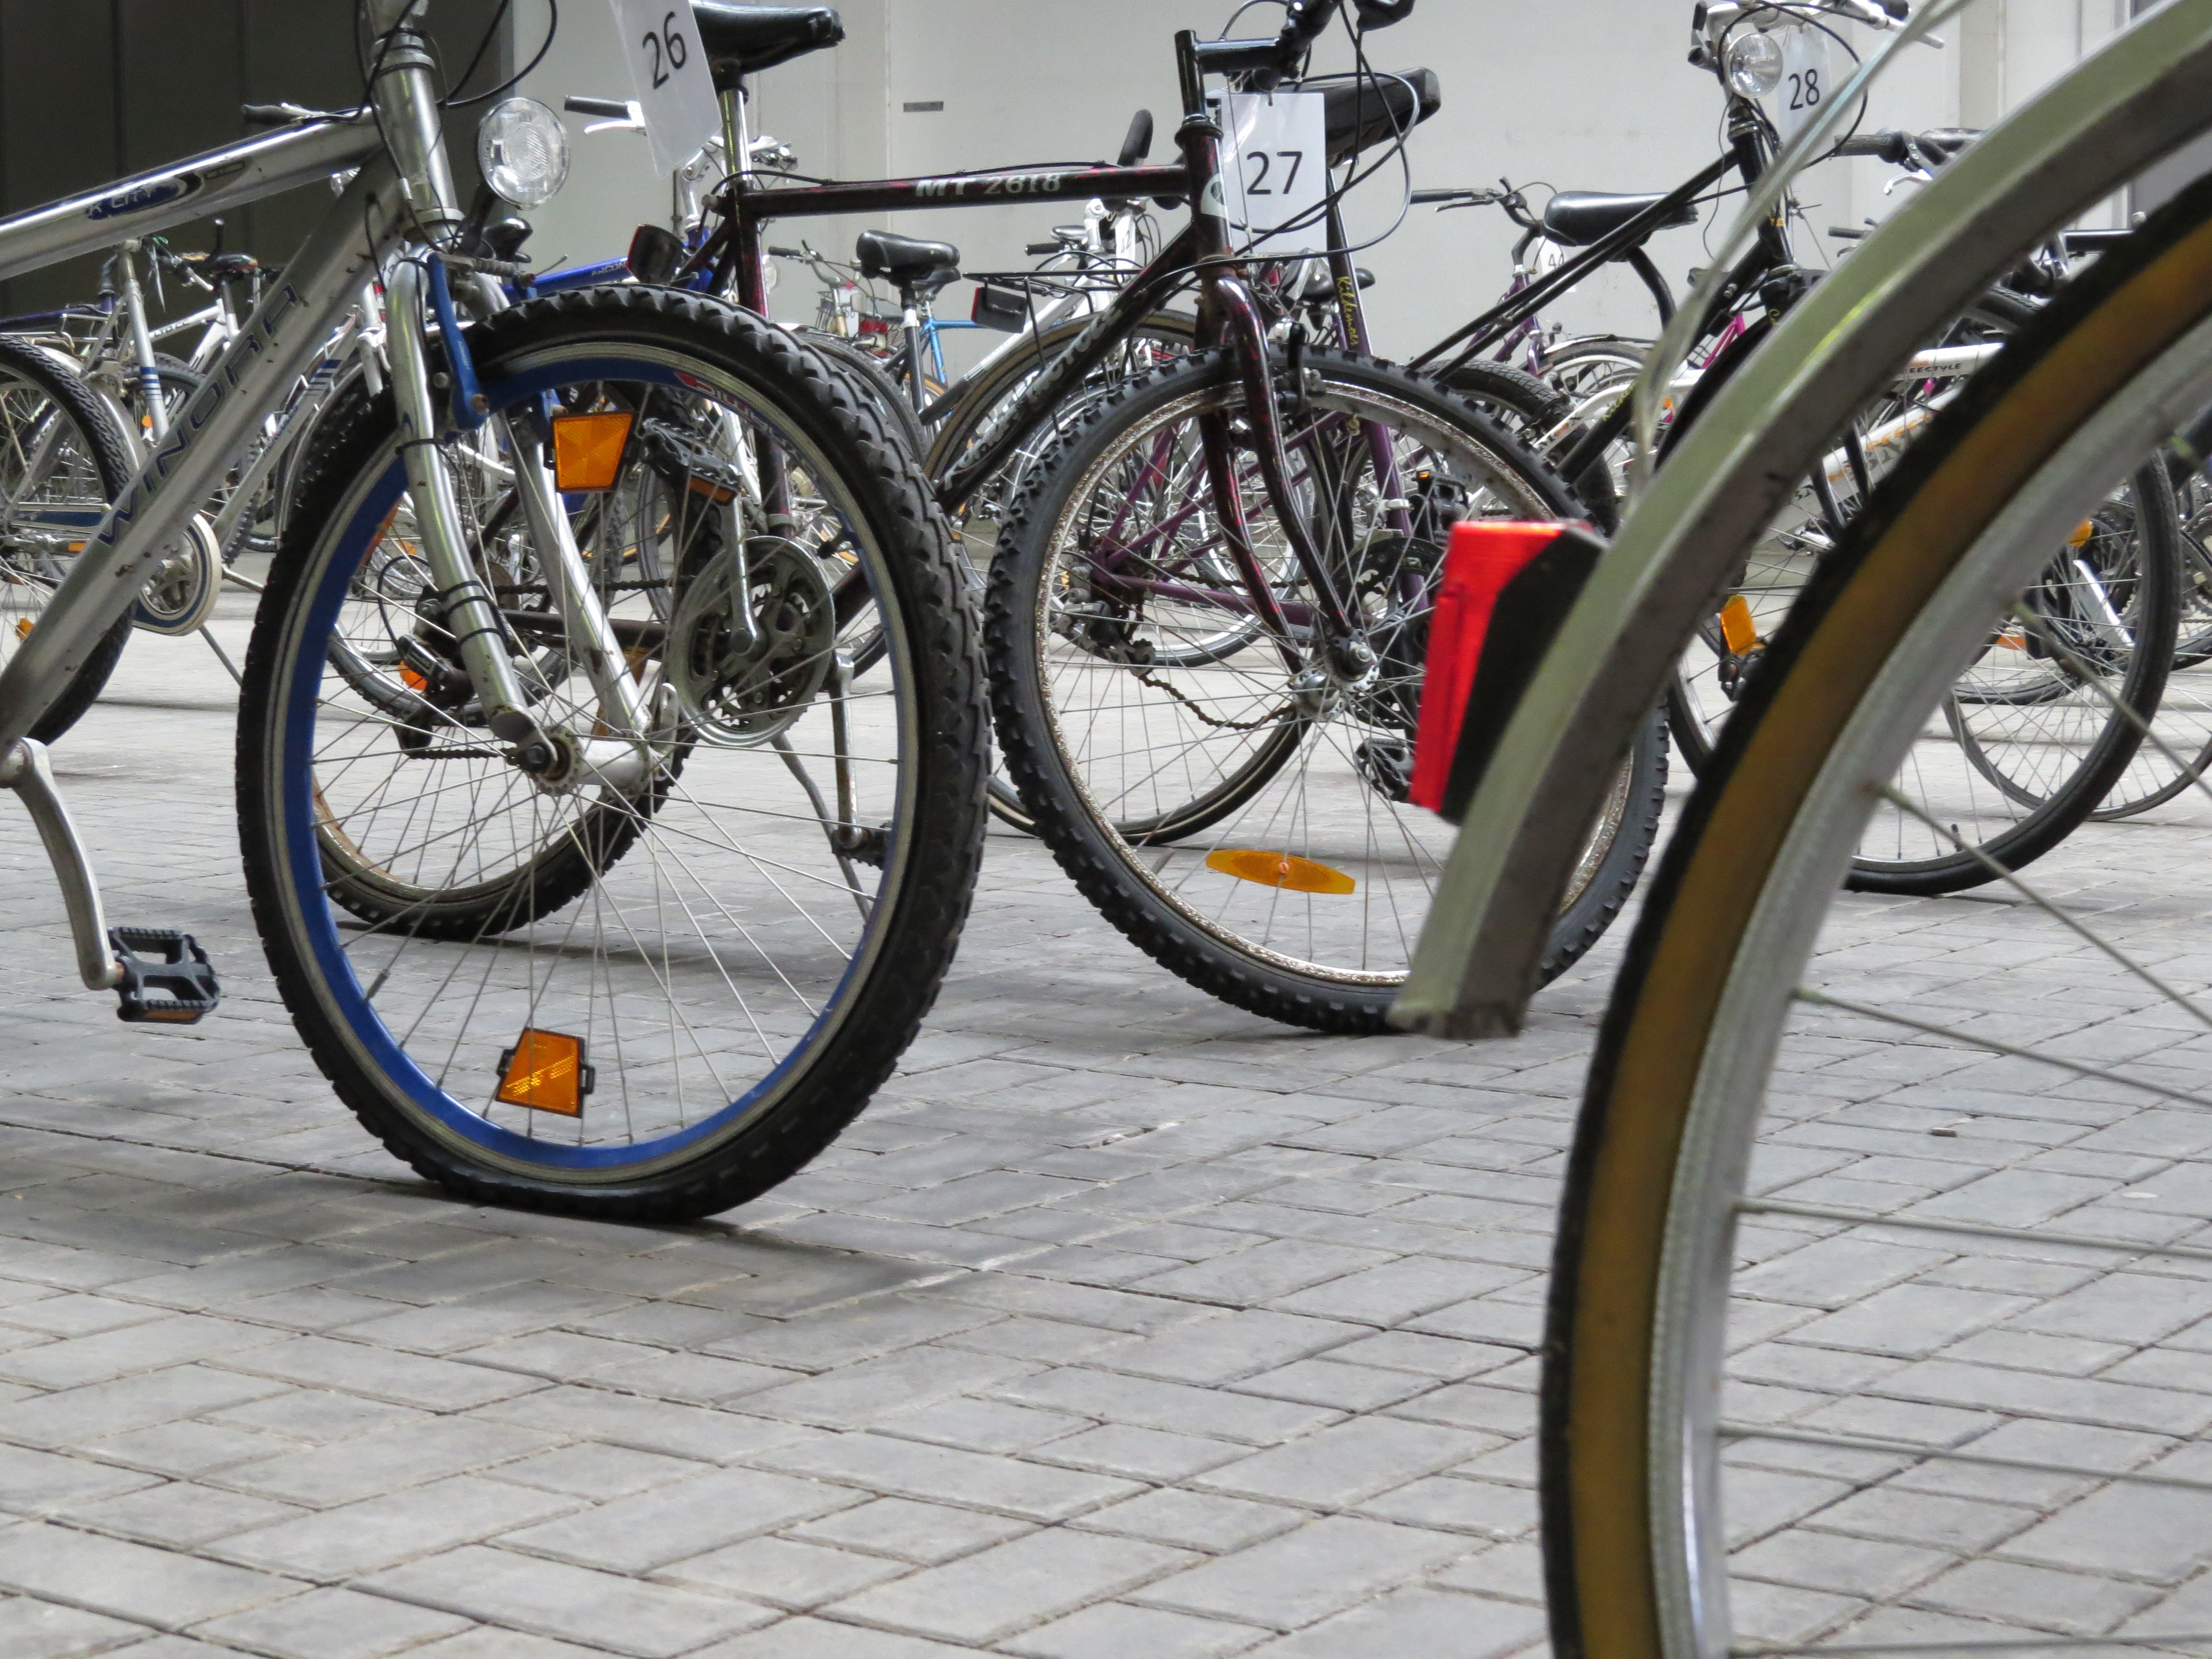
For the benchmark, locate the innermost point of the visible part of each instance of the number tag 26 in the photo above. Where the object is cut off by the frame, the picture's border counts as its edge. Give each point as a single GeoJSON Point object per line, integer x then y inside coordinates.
{"type": "Point", "coordinates": [1804, 86]}
{"type": "Point", "coordinates": [668, 77]}
{"type": "Point", "coordinates": [1275, 169]}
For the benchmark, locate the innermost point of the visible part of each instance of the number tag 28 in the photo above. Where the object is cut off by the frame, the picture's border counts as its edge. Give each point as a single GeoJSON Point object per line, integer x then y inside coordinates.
{"type": "Point", "coordinates": [1804, 86]}
{"type": "Point", "coordinates": [668, 77]}
{"type": "Point", "coordinates": [1275, 170]}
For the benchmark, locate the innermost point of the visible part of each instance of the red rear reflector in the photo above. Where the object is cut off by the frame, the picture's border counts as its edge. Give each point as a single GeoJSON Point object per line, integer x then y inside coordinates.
{"type": "Point", "coordinates": [1484, 555]}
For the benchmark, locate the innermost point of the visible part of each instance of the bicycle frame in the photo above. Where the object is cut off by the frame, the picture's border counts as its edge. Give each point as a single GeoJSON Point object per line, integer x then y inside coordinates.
{"type": "Point", "coordinates": [277, 345]}
{"type": "Point", "coordinates": [1228, 317]}
{"type": "Point", "coordinates": [1522, 302]}
{"type": "Point", "coordinates": [402, 183]}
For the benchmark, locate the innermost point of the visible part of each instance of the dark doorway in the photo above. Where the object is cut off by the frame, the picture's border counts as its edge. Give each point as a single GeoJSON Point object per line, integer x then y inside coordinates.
{"type": "Point", "coordinates": [96, 89]}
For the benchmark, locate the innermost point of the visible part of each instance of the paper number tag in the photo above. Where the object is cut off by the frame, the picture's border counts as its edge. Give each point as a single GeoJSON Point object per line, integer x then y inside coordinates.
{"type": "Point", "coordinates": [668, 77]}
{"type": "Point", "coordinates": [1804, 86]}
{"type": "Point", "coordinates": [1275, 160]}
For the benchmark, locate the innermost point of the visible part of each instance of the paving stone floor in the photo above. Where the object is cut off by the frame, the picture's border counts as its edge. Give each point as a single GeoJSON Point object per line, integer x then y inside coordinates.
{"type": "Point", "coordinates": [1123, 1323]}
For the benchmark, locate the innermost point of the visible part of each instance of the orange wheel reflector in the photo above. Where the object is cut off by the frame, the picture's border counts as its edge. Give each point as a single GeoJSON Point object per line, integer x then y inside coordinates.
{"type": "Point", "coordinates": [22, 628]}
{"type": "Point", "coordinates": [1736, 625]}
{"type": "Point", "coordinates": [2082, 532]}
{"type": "Point", "coordinates": [412, 679]}
{"type": "Point", "coordinates": [1279, 870]}
{"type": "Point", "coordinates": [76, 547]}
{"type": "Point", "coordinates": [545, 1072]}
{"type": "Point", "coordinates": [588, 450]}
{"type": "Point", "coordinates": [714, 492]}
{"type": "Point", "coordinates": [2012, 640]}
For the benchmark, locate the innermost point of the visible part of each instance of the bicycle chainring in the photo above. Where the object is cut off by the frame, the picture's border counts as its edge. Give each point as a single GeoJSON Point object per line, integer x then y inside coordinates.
{"type": "Point", "coordinates": [752, 642]}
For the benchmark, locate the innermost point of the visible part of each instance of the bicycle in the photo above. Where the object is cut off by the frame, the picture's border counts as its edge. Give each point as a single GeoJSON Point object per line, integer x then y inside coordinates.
{"type": "Point", "coordinates": [594, 877]}
{"type": "Point", "coordinates": [1740, 967]}
{"type": "Point", "coordinates": [1335, 577]}
{"type": "Point", "coordinates": [2027, 745]}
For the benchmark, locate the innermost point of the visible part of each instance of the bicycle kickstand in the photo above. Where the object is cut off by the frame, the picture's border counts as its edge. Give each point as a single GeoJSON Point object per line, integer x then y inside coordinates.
{"type": "Point", "coordinates": [108, 960]}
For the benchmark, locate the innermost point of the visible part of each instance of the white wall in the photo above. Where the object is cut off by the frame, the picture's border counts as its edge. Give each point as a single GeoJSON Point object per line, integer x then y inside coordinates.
{"type": "Point", "coordinates": [1582, 94]}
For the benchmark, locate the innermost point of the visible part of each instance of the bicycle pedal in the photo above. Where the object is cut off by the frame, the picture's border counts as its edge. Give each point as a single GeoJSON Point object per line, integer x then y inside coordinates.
{"type": "Point", "coordinates": [174, 968]}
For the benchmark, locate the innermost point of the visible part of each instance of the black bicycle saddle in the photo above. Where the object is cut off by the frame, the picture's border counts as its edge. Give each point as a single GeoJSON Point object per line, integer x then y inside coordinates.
{"type": "Point", "coordinates": [906, 261]}
{"type": "Point", "coordinates": [742, 40]}
{"type": "Point", "coordinates": [1579, 217]}
{"type": "Point", "coordinates": [1361, 113]}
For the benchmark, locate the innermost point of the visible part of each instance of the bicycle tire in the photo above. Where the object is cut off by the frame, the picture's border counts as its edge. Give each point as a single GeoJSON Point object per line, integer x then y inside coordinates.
{"type": "Point", "coordinates": [956, 429]}
{"type": "Point", "coordinates": [871, 376]}
{"type": "Point", "coordinates": [1121, 859]}
{"type": "Point", "coordinates": [100, 459]}
{"type": "Point", "coordinates": [812, 1053]}
{"type": "Point", "coordinates": [1631, 1472]}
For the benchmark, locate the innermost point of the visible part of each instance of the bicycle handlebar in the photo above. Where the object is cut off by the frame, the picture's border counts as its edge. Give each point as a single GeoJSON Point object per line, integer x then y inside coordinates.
{"type": "Point", "coordinates": [1925, 150]}
{"type": "Point", "coordinates": [1887, 146]}
{"type": "Point", "coordinates": [276, 115]}
{"type": "Point", "coordinates": [1268, 62]}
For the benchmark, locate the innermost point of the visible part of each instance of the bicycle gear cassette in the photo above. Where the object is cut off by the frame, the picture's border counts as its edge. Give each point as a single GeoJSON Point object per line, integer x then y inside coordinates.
{"type": "Point", "coordinates": [752, 642]}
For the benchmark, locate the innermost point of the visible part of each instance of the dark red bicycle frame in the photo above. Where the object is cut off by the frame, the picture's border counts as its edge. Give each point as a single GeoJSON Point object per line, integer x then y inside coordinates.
{"type": "Point", "coordinates": [1228, 316]}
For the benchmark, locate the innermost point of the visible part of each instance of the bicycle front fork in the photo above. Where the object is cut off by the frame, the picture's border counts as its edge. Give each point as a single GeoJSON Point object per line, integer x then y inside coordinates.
{"type": "Point", "coordinates": [1343, 657]}
{"type": "Point", "coordinates": [470, 609]}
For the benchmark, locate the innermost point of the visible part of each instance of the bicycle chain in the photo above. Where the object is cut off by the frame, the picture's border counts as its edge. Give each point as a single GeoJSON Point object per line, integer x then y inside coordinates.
{"type": "Point", "coordinates": [1145, 676]}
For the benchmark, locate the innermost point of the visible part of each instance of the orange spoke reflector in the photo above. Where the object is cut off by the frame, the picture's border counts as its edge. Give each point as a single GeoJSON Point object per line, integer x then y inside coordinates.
{"type": "Point", "coordinates": [2082, 532]}
{"type": "Point", "coordinates": [545, 1072]}
{"type": "Point", "coordinates": [2012, 640]}
{"type": "Point", "coordinates": [411, 679]}
{"type": "Point", "coordinates": [1279, 870]}
{"type": "Point", "coordinates": [1736, 625]}
{"type": "Point", "coordinates": [22, 628]}
{"type": "Point", "coordinates": [588, 450]}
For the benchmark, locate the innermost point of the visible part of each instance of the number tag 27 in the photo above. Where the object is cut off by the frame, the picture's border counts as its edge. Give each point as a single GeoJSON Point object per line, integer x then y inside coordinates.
{"type": "Point", "coordinates": [668, 77]}
{"type": "Point", "coordinates": [1275, 170]}
{"type": "Point", "coordinates": [1804, 86]}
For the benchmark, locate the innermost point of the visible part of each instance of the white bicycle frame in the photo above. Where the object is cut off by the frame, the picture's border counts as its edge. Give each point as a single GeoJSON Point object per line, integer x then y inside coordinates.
{"type": "Point", "coordinates": [404, 186]}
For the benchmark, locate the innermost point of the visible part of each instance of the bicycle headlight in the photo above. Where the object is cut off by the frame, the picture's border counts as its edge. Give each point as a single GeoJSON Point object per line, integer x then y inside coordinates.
{"type": "Point", "coordinates": [523, 148]}
{"type": "Point", "coordinates": [1754, 64]}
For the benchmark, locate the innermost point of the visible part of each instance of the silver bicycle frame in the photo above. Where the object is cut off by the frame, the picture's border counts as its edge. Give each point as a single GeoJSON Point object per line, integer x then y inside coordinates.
{"type": "Point", "coordinates": [403, 183]}
{"type": "Point", "coordinates": [278, 342]}
{"type": "Point", "coordinates": [2141, 96]}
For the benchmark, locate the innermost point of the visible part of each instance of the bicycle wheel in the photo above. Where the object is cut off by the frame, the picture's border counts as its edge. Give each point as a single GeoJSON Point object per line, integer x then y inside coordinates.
{"type": "Point", "coordinates": [1239, 819]}
{"type": "Point", "coordinates": [2166, 768]}
{"type": "Point", "coordinates": [981, 410]}
{"type": "Point", "coordinates": [1776, 1058]}
{"type": "Point", "coordinates": [655, 984]}
{"type": "Point", "coordinates": [870, 376]}
{"type": "Point", "coordinates": [62, 458]}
